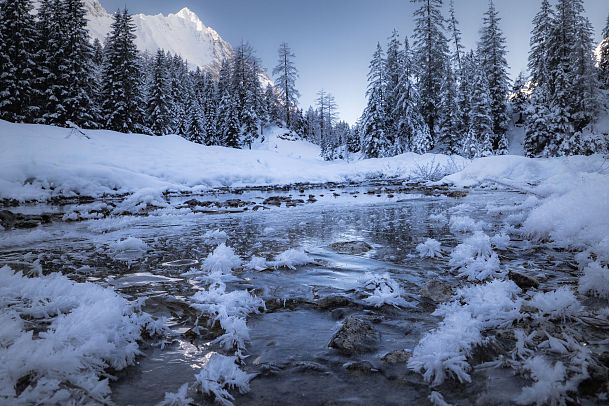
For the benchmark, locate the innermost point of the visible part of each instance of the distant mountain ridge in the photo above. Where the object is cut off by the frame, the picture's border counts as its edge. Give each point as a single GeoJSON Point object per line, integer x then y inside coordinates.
{"type": "Point", "coordinates": [182, 33]}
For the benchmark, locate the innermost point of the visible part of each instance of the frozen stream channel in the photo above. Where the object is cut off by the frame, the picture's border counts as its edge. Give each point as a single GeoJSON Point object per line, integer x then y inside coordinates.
{"type": "Point", "coordinates": [146, 256]}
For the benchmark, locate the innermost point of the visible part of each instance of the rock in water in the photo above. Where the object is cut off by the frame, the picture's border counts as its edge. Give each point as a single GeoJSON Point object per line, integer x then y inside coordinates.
{"type": "Point", "coordinates": [523, 281]}
{"type": "Point", "coordinates": [351, 247]}
{"type": "Point", "coordinates": [438, 291]}
{"type": "Point", "coordinates": [395, 357]}
{"type": "Point", "coordinates": [355, 336]}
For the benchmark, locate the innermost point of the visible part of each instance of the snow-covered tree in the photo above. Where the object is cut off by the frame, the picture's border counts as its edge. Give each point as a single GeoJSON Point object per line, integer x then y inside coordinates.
{"type": "Point", "coordinates": [375, 141]}
{"type": "Point", "coordinates": [450, 125]}
{"type": "Point", "coordinates": [285, 80]}
{"type": "Point", "coordinates": [393, 69]}
{"type": "Point", "coordinates": [158, 105]}
{"type": "Point", "coordinates": [538, 123]}
{"type": "Point", "coordinates": [121, 88]}
{"type": "Point", "coordinates": [540, 43]}
{"type": "Point", "coordinates": [519, 98]}
{"type": "Point", "coordinates": [481, 121]}
{"type": "Point", "coordinates": [17, 61]}
{"type": "Point", "coordinates": [80, 98]}
{"type": "Point", "coordinates": [492, 51]}
{"type": "Point", "coordinates": [455, 38]}
{"type": "Point", "coordinates": [209, 106]}
{"type": "Point", "coordinates": [603, 62]}
{"type": "Point", "coordinates": [431, 55]}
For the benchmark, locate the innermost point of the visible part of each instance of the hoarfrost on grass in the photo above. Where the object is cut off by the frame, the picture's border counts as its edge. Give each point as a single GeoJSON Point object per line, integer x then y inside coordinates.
{"type": "Point", "coordinates": [222, 260]}
{"type": "Point", "coordinates": [595, 280]}
{"type": "Point", "coordinates": [291, 259]}
{"type": "Point", "coordinates": [86, 329]}
{"type": "Point", "coordinates": [220, 373]}
{"type": "Point", "coordinates": [556, 304]}
{"type": "Point", "coordinates": [382, 289]}
{"type": "Point", "coordinates": [430, 249]}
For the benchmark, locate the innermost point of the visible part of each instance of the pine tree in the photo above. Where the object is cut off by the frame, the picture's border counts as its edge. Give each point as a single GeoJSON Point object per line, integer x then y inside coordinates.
{"type": "Point", "coordinates": [196, 121]}
{"type": "Point", "coordinates": [519, 98]}
{"type": "Point", "coordinates": [375, 143]}
{"type": "Point", "coordinates": [80, 104]}
{"type": "Point", "coordinates": [492, 50]}
{"type": "Point", "coordinates": [466, 89]}
{"type": "Point", "coordinates": [481, 121]}
{"type": "Point", "coordinates": [431, 56]}
{"type": "Point", "coordinates": [271, 104]}
{"type": "Point", "coordinates": [540, 43]}
{"type": "Point", "coordinates": [285, 80]}
{"type": "Point", "coordinates": [455, 39]}
{"type": "Point", "coordinates": [538, 123]}
{"type": "Point", "coordinates": [230, 124]}
{"type": "Point", "coordinates": [158, 105]}
{"type": "Point", "coordinates": [209, 110]}
{"type": "Point", "coordinates": [121, 88]}
{"type": "Point", "coordinates": [603, 63]}
{"type": "Point", "coordinates": [249, 122]}
{"type": "Point", "coordinates": [449, 126]}
{"type": "Point", "coordinates": [411, 124]}
{"type": "Point", "coordinates": [17, 61]}
{"type": "Point", "coordinates": [393, 67]}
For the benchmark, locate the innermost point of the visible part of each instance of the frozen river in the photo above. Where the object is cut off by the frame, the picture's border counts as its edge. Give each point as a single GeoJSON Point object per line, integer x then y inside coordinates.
{"type": "Point", "coordinates": [147, 256]}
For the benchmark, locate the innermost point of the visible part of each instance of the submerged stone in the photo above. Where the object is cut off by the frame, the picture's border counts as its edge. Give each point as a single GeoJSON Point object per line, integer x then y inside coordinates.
{"type": "Point", "coordinates": [438, 291]}
{"type": "Point", "coordinates": [523, 281]}
{"type": "Point", "coordinates": [355, 336]}
{"type": "Point", "coordinates": [351, 247]}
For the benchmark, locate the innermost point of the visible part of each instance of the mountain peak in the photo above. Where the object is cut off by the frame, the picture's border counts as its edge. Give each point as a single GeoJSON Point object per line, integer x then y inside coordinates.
{"type": "Point", "coordinates": [191, 17]}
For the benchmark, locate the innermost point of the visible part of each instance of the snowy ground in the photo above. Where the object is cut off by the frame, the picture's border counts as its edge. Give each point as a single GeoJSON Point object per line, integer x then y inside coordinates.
{"type": "Point", "coordinates": [494, 288]}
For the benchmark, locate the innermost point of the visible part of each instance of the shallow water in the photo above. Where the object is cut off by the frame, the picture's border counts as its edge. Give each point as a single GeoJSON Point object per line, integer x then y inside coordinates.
{"type": "Point", "coordinates": [289, 343]}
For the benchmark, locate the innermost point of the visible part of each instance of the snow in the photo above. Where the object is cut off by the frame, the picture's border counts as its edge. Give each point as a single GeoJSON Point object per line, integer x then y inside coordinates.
{"type": "Point", "coordinates": [182, 33]}
{"type": "Point", "coordinates": [221, 373]}
{"type": "Point", "coordinates": [180, 398]}
{"type": "Point", "coordinates": [291, 259]}
{"type": "Point", "coordinates": [90, 328]}
{"type": "Point", "coordinates": [129, 244]}
{"type": "Point", "coordinates": [37, 162]}
{"type": "Point", "coordinates": [549, 387]}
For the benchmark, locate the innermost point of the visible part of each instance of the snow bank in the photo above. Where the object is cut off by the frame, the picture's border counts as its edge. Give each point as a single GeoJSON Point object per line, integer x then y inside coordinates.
{"type": "Point", "coordinates": [38, 161]}
{"type": "Point", "coordinates": [84, 330]}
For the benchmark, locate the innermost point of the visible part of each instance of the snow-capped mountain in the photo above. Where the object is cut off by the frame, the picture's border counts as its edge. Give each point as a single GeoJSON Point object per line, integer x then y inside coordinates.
{"type": "Point", "coordinates": [182, 33]}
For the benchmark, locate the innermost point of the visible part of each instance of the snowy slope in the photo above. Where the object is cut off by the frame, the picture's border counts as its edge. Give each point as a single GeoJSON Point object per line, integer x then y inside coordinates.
{"type": "Point", "coordinates": [38, 161]}
{"type": "Point", "coordinates": [182, 33]}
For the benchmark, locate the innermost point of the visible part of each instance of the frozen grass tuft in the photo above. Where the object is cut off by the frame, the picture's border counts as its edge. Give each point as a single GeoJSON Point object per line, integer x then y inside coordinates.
{"type": "Point", "coordinates": [291, 259]}
{"type": "Point", "coordinates": [556, 304]}
{"type": "Point", "coordinates": [215, 236]}
{"type": "Point", "coordinates": [443, 352]}
{"type": "Point", "coordinates": [430, 249]}
{"type": "Point", "coordinates": [83, 330]}
{"type": "Point", "coordinates": [549, 387]}
{"type": "Point", "coordinates": [179, 398]}
{"type": "Point", "coordinates": [221, 374]}
{"type": "Point", "coordinates": [595, 280]}
{"type": "Point", "coordinates": [382, 289]}
{"type": "Point", "coordinates": [222, 260]}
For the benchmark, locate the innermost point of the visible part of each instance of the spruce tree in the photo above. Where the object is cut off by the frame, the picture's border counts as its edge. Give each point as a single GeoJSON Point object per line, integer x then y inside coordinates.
{"type": "Point", "coordinates": [411, 124]}
{"type": "Point", "coordinates": [455, 39]}
{"type": "Point", "coordinates": [492, 50]}
{"type": "Point", "coordinates": [285, 80]}
{"type": "Point", "coordinates": [393, 68]}
{"type": "Point", "coordinates": [481, 120]}
{"type": "Point", "coordinates": [431, 56]}
{"type": "Point", "coordinates": [449, 126]}
{"type": "Point", "coordinates": [540, 43]}
{"type": "Point", "coordinates": [210, 110]}
{"type": "Point", "coordinates": [603, 63]}
{"type": "Point", "coordinates": [519, 98]}
{"type": "Point", "coordinates": [375, 143]}
{"type": "Point", "coordinates": [158, 105]}
{"type": "Point", "coordinates": [538, 123]}
{"type": "Point", "coordinates": [80, 103]}
{"type": "Point", "coordinates": [17, 61]}
{"type": "Point", "coordinates": [121, 87]}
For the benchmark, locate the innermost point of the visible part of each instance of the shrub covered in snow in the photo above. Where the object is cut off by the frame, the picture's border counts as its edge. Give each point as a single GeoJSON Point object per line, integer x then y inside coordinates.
{"type": "Point", "coordinates": [85, 329]}
{"type": "Point", "coordinates": [382, 289]}
{"type": "Point", "coordinates": [430, 249]}
{"type": "Point", "coordinates": [556, 304]}
{"type": "Point", "coordinates": [222, 260]}
{"type": "Point", "coordinates": [595, 280]}
{"type": "Point", "coordinates": [220, 374]}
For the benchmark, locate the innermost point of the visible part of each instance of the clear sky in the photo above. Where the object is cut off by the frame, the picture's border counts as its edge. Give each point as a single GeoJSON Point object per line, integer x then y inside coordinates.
{"type": "Point", "coordinates": [334, 39]}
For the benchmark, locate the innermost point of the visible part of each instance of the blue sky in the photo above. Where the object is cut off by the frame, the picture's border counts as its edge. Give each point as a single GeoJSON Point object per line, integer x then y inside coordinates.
{"type": "Point", "coordinates": [334, 39]}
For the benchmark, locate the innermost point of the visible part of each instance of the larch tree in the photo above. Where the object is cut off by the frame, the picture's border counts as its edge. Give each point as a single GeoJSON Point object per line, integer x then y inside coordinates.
{"type": "Point", "coordinates": [286, 75]}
